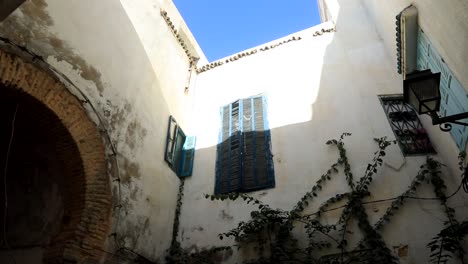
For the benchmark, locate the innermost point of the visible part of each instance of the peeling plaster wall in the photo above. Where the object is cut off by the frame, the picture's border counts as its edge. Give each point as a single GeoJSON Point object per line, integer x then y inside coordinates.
{"type": "Point", "coordinates": [317, 88]}
{"type": "Point", "coordinates": [126, 61]}
{"type": "Point", "coordinates": [134, 82]}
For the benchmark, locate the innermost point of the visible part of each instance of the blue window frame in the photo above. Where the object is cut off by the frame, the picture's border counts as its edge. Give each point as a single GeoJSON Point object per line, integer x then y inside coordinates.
{"type": "Point", "coordinates": [244, 160]}
{"type": "Point", "coordinates": [454, 99]}
{"type": "Point", "coordinates": [180, 149]}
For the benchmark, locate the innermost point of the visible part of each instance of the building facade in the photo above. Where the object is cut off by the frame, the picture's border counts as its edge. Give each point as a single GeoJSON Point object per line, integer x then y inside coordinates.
{"type": "Point", "coordinates": [95, 83]}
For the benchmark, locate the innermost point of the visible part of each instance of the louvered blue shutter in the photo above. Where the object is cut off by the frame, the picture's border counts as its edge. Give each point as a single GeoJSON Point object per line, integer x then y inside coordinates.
{"type": "Point", "coordinates": [258, 172]}
{"type": "Point", "coordinates": [177, 156]}
{"type": "Point", "coordinates": [170, 141]}
{"type": "Point", "coordinates": [229, 162]}
{"type": "Point", "coordinates": [188, 155]}
{"type": "Point", "coordinates": [244, 160]}
{"type": "Point", "coordinates": [458, 103]}
{"type": "Point", "coordinates": [453, 96]}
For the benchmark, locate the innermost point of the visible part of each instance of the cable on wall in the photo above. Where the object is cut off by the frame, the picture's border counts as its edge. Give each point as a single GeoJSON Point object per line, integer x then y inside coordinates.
{"type": "Point", "coordinates": [5, 210]}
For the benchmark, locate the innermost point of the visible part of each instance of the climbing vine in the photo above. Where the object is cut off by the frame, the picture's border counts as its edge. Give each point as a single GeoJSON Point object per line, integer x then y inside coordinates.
{"type": "Point", "coordinates": [271, 231]}
{"type": "Point", "coordinates": [176, 254]}
{"type": "Point", "coordinates": [448, 241]}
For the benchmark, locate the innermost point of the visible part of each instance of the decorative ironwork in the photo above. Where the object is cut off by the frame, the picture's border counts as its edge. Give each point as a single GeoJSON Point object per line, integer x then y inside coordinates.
{"type": "Point", "coordinates": [408, 130]}
{"type": "Point", "coordinates": [446, 127]}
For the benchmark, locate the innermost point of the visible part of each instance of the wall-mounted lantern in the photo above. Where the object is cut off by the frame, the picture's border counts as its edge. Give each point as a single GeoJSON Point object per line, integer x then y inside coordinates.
{"type": "Point", "coordinates": [421, 91]}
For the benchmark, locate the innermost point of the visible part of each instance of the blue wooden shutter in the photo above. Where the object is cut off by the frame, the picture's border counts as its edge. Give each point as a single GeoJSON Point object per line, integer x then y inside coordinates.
{"type": "Point", "coordinates": [223, 152]}
{"type": "Point", "coordinates": [188, 155]}
{"type": "Point", "coordinates": [244, 160]}
{"type": "Point", "coordinates": [257, 164]}
{"type": "Point", "coordinates": [170, 140]}
{"type": "Point", "coordinates": [177, 155]}
{"type": "Point", "coordinates": [229, 162]}
{"type": "Point", "coordinates": [250, 175]}
{"type": "Point", "coordinates": [458, 103]}
{"type": "Point", "coordinates": [453, 96]}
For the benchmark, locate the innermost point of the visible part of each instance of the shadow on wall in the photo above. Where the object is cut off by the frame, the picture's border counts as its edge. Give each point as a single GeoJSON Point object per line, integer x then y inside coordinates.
{"type": "Point", "coordinates": [126, 116]}
{"type": "Point", "coordinates": [244, 162]}
{"type": "Point", "coordinates": [40, 160]}
{"type": "Point", "coordinates": [355, 71]}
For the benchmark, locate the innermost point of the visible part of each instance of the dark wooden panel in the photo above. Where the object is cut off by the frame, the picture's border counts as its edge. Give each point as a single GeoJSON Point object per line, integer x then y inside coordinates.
{"type": "Point", "coordinates": [8, 6]}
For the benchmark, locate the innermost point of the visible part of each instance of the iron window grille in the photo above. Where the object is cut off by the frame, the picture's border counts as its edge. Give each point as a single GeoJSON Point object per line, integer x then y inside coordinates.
{"type": "Point", "coordinates": [409, 132]}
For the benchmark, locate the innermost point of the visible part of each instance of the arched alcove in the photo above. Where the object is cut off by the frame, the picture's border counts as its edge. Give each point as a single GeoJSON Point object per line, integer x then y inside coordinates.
{"type": "Point", "coordinates": [58, 191]}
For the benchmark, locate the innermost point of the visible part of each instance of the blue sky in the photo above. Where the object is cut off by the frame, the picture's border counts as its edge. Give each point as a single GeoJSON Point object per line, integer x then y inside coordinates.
{"type": "Point", "coordinates": [226, 27]}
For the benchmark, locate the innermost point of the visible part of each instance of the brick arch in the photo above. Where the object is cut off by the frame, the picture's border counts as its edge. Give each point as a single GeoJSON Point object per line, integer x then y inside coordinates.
{"type": "Point", "coordinates": [87, 224]}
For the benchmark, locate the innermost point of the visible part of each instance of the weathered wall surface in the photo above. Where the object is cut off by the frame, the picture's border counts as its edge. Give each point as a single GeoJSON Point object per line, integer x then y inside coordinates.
{"type": "Point", "coordinates": [124, 58]}
{"type": "Point", "coordinates": [317, 88]}
{"type": "Point", "coordinates": [52, 109]}
{"type": "Point", "coordinates": [133, 72]}
{"type": "Point", "coordinates": [446, 24]}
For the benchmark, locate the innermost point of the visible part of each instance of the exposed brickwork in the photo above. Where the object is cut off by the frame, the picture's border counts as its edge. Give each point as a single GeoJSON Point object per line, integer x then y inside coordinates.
{"type": "Point", "coordinates": [87, 216]}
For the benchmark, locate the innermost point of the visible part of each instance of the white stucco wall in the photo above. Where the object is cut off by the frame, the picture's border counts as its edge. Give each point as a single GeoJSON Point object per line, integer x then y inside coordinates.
{"type": "Point", "coordinates": [444, 22]}
{"type": "Point", "coordinates": [317, 88]}
{"type": "Point", "coordinates": [123, 56]}
{"type": "Point", "coordinates": [446, 25]}
{"type": "Point", "coordinates": [125, 59]}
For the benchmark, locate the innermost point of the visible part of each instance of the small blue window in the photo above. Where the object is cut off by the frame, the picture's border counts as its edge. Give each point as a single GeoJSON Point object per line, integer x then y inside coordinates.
{"type": "Point", "coordinates": [180, 149]}
{"type": "Point", "coordinates": [244, 160]}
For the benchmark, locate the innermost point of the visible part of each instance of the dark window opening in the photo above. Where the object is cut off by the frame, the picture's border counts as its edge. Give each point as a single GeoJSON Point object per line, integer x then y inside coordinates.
{"type": "Point", "coordinates": [44, 179]}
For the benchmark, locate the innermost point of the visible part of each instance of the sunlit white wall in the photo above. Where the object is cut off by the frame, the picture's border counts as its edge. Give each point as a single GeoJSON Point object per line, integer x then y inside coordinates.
{"type": "Point", "coordinates": [446, 25]}
{"type": "Point", "coordinates": [290, 84]}
{"type": "Point", "coordinates": [124, 57]}
{"type": "Point", "coordinates": [317, 88]}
